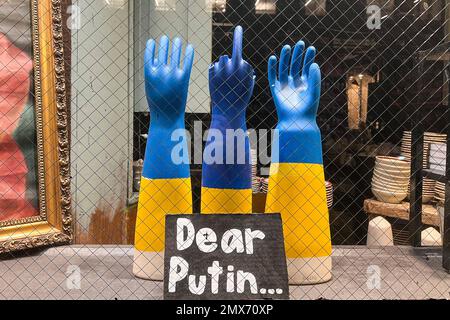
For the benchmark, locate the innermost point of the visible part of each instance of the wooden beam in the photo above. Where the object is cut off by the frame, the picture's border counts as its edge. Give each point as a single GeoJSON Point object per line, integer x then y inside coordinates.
{"type": "Point", "coordinates": [430, 214]}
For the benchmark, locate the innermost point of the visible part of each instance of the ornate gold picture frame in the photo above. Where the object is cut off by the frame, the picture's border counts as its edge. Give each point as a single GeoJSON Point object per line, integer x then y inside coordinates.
{"type": "Point", "coordinates": [52, 223]}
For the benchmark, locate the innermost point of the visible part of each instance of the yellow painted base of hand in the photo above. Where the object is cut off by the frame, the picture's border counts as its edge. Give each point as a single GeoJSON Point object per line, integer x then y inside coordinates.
{"type": "Point", "coordinates": [297, 191]}
{"type": "Point", "coordinates": [226, 200]}
{"type": "Point", "coordinates": [157, 198]}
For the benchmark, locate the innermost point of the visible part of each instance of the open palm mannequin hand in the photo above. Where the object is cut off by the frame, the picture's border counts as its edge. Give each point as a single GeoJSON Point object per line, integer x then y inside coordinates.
{"type": "Point", "coordinates": [165, 183]}
{"type": "Point", "coordinates": [297, 181]}
{"type": "Point", "coordinates": [166, 87]}
{"type": "Point", "coordinates": [166, 84]}
{"type": "Point", "coordinates": [296, 95]}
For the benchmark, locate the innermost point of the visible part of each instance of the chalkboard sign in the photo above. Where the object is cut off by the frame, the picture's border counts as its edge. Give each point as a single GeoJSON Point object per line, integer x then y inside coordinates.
{"type": "Point", "coordinates": [225, 256]}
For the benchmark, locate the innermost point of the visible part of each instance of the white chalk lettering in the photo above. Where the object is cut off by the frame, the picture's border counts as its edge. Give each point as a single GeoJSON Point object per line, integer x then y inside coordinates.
{"type": "Point", "coordinates": [232, 240]}
{"type": "Point", "coordinates": [194, 288]}
{"type": "Point", "coordinates": [249, 236]}
{"type": "Point", "coordinates": [206, 240]}
{"type": "Point", "coordinates": [184, 241]}
{"type": "Point", "coordinates": [215, 271]}
{"type": "Point", "coordinates": [242, 278]}
{"type": "Point", "coordinates": [230, 279]}
{"type": "Point", "coordinates": [177, 272]}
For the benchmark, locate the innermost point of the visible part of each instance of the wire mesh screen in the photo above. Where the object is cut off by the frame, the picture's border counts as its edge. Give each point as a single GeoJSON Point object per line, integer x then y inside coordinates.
{"type": "Point", "coordinates": [382, 121]}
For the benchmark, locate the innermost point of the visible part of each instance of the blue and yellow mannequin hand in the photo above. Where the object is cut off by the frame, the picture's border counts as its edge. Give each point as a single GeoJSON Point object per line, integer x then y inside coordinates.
{"type": "Point", "coordinates": [165, 182]}
{"type": "Point", "coordinates": [226, 187]}
{"type": "Point", "coordinates": [296, 96]}
{"type": "Point", "coordinates": [297, 183]}
{"type": "Point", "coordinates": [166, 87]}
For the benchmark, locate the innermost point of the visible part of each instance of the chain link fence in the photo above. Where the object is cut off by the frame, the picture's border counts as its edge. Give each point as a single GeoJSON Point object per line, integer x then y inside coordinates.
{"type": "Point", "coordinates": [383, 118]}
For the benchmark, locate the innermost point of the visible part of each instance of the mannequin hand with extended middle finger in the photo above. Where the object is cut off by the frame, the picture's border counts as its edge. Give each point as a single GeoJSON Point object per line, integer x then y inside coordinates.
{"type": "Point", "coordinates": [226, 178]}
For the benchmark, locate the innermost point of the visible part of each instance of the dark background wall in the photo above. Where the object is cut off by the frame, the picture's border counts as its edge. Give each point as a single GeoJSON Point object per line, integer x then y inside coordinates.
{"type": "Point", "coordinates": [344, 43]}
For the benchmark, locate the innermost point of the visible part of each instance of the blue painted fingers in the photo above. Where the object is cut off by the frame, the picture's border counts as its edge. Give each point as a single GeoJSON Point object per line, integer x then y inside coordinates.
{"type": "Point", "coordinates": [226, 178]}
{"type": "Point", "coordinates": [166, 86]}
{"type": "Point", "coordinates": [296, 94]}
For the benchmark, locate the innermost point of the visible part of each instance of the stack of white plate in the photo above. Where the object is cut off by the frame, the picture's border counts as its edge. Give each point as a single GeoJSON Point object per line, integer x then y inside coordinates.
{"type": "Point", "coordinates": [405, 148]}
{"type": "Point", "coordinates": [264, 185]}
{"type": "Point", "coordinates": [428, 191]}
{"type": "Point", "coordinates": [439, 195]}
{"type": "Point", "coordinates": [329, 188]}
{"type": "Point", "coordinates": [255, 179]}
{"type": "Point", "coordinates": [438, 153]}
{"type": "Point", "coordinates": [390, 179]}
{"type": "Point", "coordinates": [406, 142]}
{"type": "Point", "coordinates": [433, 137]}
{"type": "Point", "coordinates": [256, 185]}
{"type": "Point", "coordinates": [428, 138]}
{"type": "Point", "coordinates": [264, 188]}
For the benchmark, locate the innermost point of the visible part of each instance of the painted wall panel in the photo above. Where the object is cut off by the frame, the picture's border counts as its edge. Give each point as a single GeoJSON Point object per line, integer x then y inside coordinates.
{"type": "Point", "coordinates": [99, 112]}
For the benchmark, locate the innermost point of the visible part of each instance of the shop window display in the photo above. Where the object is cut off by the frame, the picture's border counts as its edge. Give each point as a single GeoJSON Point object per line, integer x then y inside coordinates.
{"type": "Point", "coordinates": [346, 175]}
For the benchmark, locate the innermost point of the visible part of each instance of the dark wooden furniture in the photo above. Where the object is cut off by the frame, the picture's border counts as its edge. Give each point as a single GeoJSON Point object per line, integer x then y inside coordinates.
{"type": "Point", "coordinates": [440, 54]}
{"type": "Point", "coordinates": [430, 215]}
